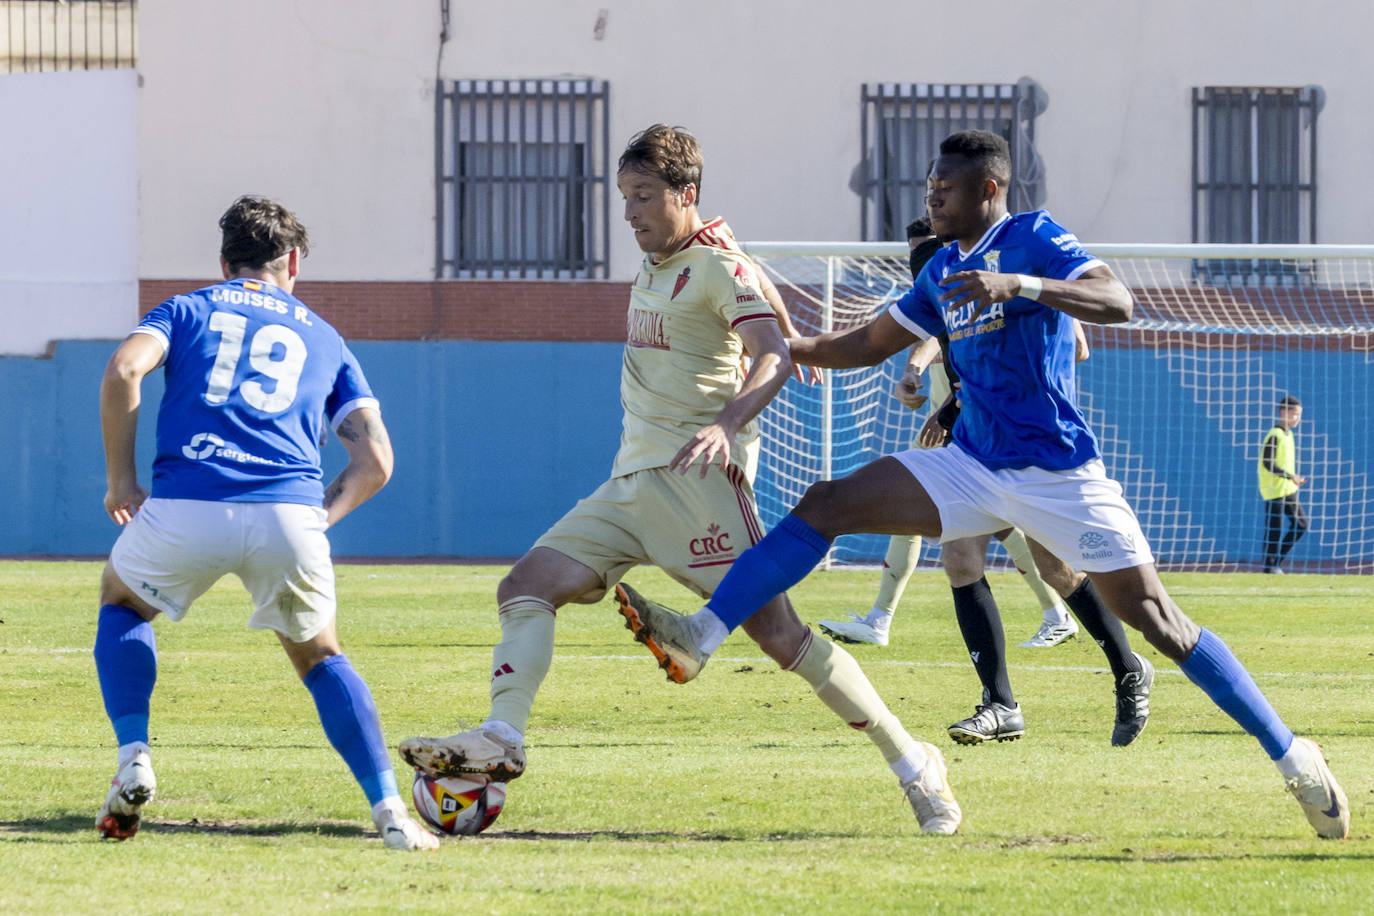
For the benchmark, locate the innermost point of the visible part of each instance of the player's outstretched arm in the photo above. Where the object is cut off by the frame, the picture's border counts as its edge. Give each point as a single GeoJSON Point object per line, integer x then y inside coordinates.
{"type": "Point", "coordinates": [121, 392]}
{"type": "Point", "coordinates": [370, 461]}
{"type": "Point", "coordinates": [766, 377]}
{"type": "Point", "coordinates": [811, 375]}
{"type": "Point", "coordinates": [1096, 296]}
{"type": "Point", "coordinates": [864, 345]}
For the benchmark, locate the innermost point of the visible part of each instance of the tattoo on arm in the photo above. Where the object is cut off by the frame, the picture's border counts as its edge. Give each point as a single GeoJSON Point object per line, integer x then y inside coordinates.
{"type": "Point", "coordinates": [334, 490]}
{"type": "Point", "coordinates": [375, 430]}
{"type": "Point", "coordinates": [346, 429]}
{"type": "Point", "coordinates": [371, 427]}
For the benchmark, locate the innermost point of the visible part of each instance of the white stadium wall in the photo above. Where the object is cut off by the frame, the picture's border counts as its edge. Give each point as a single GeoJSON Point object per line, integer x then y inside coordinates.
{"type": "Point", "coordinates": [69, 186]}
{"type": "Point", "coordinates": [329, 105]}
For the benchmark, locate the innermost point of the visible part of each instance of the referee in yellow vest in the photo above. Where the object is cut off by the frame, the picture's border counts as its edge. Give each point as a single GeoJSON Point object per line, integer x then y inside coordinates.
{"type": "Point", "coordinates": [1278, 484]}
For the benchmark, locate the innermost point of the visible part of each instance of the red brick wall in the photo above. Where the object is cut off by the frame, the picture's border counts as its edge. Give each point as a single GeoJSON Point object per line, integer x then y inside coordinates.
{"type": "Point", "coordinates": [582, 310]}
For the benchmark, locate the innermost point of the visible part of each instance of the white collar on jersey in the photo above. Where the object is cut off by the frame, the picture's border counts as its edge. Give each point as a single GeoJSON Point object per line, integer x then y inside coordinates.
{"type": "Point", "coordinates": [985, 240]}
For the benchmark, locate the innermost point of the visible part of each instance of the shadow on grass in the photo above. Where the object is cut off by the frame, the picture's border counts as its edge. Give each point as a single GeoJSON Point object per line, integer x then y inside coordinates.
{"type": "Point", "coordinates": [34, 829]}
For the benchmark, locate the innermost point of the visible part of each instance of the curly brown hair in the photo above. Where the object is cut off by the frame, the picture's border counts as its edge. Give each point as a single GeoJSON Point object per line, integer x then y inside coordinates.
{"type": "Point", "coordinates": [258, 233]}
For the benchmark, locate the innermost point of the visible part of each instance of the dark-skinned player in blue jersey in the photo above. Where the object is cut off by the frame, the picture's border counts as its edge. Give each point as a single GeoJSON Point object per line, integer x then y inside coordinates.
{"type": "Point", "coordinates": [1022, 453]}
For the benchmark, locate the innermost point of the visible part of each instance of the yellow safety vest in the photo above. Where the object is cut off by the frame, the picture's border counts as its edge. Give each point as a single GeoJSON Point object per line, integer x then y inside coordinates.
{"type": "Point", "coordinates": [1272, 486]}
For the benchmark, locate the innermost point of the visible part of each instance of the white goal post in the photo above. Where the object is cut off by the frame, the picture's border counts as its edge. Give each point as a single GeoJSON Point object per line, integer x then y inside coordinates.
{"type": "Point", "coordinates": [1180, 397]}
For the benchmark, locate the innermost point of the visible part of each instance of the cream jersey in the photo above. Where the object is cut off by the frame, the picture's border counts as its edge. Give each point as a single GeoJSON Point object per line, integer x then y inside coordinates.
{"type": "Point", "coordinates": [683, 356]}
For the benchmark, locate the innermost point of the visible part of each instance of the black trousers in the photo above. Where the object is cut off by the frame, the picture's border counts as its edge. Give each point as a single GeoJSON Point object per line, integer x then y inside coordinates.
{"type": "Point", "coordinates": [1276, 542]}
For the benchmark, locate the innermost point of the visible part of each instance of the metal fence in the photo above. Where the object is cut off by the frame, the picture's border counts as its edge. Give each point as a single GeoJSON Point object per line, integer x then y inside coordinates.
{"type": "Point", "coordinates": [45, 35]}
{"type": "Point", "coordinates": [522, 179]}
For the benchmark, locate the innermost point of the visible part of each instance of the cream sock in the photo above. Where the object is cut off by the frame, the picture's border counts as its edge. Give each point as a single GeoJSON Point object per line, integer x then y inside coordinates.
{"type": "Point", "coordinates": [521, 659]}
{"type": "Point", "coordinates": [898, 565]}
{"type": "Point", "coordinates": [842, 685]}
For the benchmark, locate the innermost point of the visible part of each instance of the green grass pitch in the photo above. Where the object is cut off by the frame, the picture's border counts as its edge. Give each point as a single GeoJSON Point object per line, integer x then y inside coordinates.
{"type": "Point", "coordinates": [737, 793]}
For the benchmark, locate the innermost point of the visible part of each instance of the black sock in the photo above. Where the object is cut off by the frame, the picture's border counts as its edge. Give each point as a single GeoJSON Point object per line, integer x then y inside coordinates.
{"type": "Point", "coordinates": [1104, 627]}
{"type": "Point", "coordinates": [981, 625]}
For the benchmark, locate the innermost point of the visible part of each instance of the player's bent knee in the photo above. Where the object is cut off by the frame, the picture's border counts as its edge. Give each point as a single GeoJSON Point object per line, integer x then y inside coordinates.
{"type": "Point", "coordinates": [778, 631]}
{"type": "Point", "coordinates": [114, 591]}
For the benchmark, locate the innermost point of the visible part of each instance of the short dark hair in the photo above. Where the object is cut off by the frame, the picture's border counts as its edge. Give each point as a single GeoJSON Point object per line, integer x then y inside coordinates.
{"type": "Point", "coordinates": [671, 153]}
{"type": "Point", "coordinates": [918, 228]}
{"type": "Point", "coordinates": [1289, 401]}
{"type": "Point", "coordinates": [258, 232]}
{"type": "Point", "coordinates": [986, 151]}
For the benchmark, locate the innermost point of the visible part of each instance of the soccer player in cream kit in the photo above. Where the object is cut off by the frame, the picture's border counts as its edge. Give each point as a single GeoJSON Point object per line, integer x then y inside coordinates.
{"type": "Point", "coordinates": [1005, 290]}
{"type": "Point", "coordinates": [252, 375]}
{"type": "Point", "coordinates": [696, 308]}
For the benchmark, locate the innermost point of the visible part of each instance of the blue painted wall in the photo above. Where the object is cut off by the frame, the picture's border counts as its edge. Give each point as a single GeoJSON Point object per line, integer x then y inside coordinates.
{"type": "Point", "coordinates": [494, 441]}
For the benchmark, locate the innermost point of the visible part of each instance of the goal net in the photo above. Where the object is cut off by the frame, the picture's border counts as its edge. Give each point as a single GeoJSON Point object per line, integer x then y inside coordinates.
{"type": "Point", "coordinates": [1180, 397]}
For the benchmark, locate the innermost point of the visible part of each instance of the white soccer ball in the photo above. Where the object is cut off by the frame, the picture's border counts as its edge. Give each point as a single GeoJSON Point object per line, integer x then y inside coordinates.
{"type": "Point", "coordinates": [457, 805]}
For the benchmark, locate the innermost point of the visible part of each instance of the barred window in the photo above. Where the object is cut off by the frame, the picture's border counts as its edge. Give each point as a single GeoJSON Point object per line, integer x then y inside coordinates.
{"type": "Point", "coordinates": [1255, 164]}
{"type": "Point", "coordinates": [522, 179]}
{"type": "Point", "coordinates": [902, 126]}
{"type": "Point", "coordinates": [38, 36]}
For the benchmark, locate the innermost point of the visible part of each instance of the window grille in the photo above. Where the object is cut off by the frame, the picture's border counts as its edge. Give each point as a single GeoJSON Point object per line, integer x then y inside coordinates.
{"type": "Point", "coordinates": [1255, 177]}
{"type": "Point", "coordinates": [902, 126]}
{"type": "Point", "coordinates": [522, 179]}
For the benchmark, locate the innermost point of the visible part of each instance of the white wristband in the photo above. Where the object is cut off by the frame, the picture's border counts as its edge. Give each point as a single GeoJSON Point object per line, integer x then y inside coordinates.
{"type": "Point", "coordinates": [1031, 287]}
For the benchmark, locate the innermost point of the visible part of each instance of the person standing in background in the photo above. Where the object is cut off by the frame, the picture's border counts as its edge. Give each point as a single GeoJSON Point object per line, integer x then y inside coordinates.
{"type": "Point", "coordinates": [1279, 482]}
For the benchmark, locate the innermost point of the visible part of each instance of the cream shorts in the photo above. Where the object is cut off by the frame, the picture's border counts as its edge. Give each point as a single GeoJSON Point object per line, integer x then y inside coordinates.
{"type": "Point", "coordinates": [692, 529]}
{"type": "Point", "coordinates": [1079, 515]}
{"type": "Point", "coordinates": [175, 549]}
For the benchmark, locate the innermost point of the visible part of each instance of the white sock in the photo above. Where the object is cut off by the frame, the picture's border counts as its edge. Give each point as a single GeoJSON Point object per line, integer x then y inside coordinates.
{"type": "Point", "coordinates": [878, 619]}
{"type": "Point", "coordinates": [127, 751]}
{"type": "Point", "coordinates": [1056, 615]}
{"type": "Point", "coordinates": [908, 767]}
{"type": "Point", "coordinates": [503, 730]}
{"type": "Point", "coordinates": [708, 630]}
{"type": "Point", "coordinates": [1295, 760]}
{"type": "Point", "coordinates": [388, 809]}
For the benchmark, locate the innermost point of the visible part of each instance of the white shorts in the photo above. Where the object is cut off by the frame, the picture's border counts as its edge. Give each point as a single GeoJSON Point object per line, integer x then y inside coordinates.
{"type": "Point", "coordinates": [1079, 515]}
{"type": "Point", "coordinates": [175, 549]}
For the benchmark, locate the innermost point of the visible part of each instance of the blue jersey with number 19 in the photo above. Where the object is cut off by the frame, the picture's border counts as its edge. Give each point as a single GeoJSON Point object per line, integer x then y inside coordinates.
{"type": "Point", "coordinates": [1015, 361]}
{"type": "Point", "coordinates": [251, 374]}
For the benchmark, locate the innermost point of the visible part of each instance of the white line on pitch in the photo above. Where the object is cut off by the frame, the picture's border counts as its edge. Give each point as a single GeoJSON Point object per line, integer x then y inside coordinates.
{"type": "Point", "coordinates": [869, 662]}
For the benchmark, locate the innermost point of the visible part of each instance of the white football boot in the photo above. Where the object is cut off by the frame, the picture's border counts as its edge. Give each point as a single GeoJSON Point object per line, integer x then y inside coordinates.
{"type": "Point", "coordinates": [475, 752]}
{"type": "Point", "coordinates": [857, 629]}
{"type": "Point", "coordinates": [1320, 795]}
{"type": "Point", "coordinates": [133, 786]}
{"type": "Point", "coordinates": [400, 831]}
{"type": "Point", "coordinates": [1051, 634]}
{"type": "Point", "coordinates": [931, 797]}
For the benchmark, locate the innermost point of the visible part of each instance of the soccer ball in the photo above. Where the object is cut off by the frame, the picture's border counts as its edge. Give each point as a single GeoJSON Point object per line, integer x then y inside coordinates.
{"type": "Point", "coordinates": [457, 805]}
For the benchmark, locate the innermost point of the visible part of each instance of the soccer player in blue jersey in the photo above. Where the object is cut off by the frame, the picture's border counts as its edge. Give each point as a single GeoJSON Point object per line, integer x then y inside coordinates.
{"type": "Point", "coordinates": [1022, 453]}
{"type": "Point", "coordinates": [252, 374]}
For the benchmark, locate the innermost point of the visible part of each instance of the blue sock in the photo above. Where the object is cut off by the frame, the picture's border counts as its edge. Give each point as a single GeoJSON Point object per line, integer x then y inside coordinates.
{"type": "Point", "coordinates": [1222, 677]}
{"type": "Point", "coordinates": [350, 722]}
{"type": "Point", "coordinates": [769, 568]}
{"type": "Point", "coordinates": [126, 664]}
